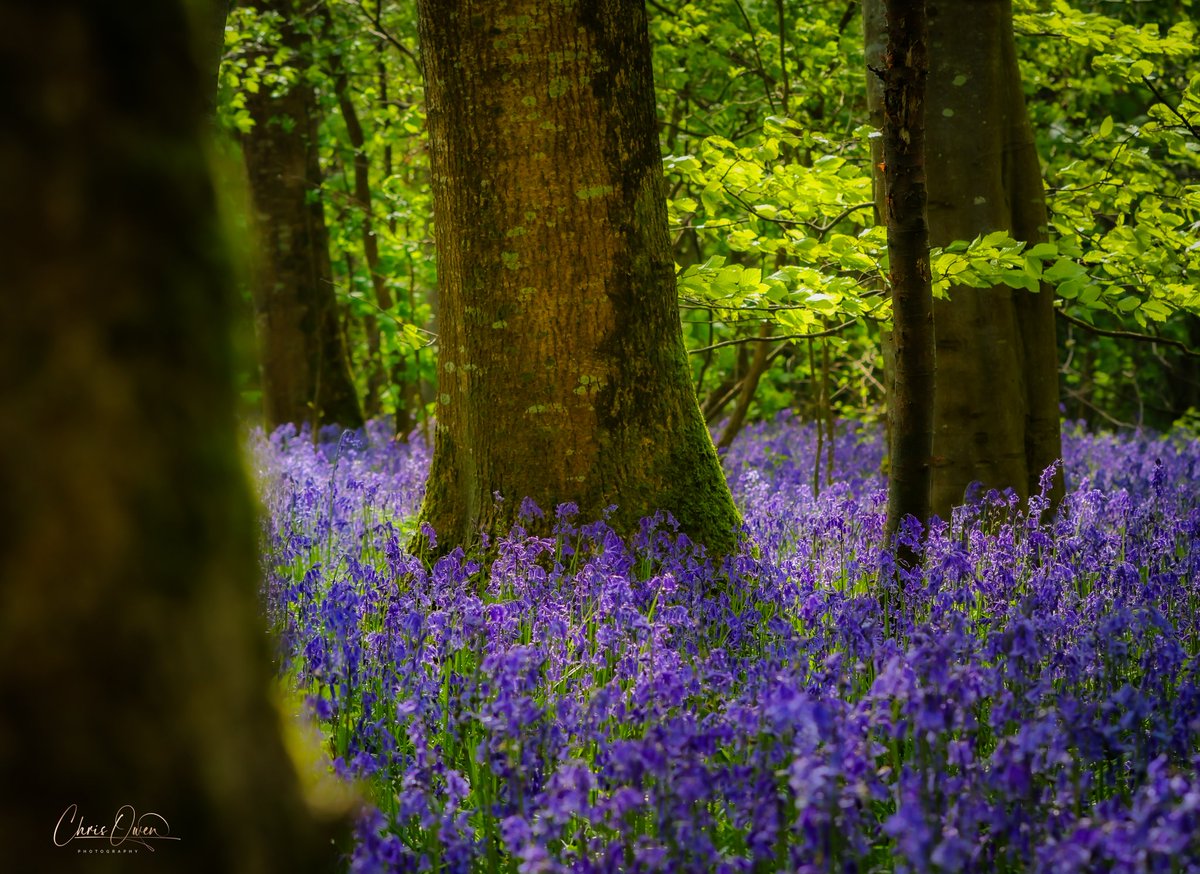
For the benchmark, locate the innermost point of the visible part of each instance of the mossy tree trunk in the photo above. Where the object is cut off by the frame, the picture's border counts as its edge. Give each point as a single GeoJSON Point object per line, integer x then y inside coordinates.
{"type": "Point", "coordinates": [562, 369]}
{"type": "Point", "coordinates": [134, 668]}
{"type": "Point", "coordinates": [302, 351]}
{"type": "Point", "coordinates": [996, 418]}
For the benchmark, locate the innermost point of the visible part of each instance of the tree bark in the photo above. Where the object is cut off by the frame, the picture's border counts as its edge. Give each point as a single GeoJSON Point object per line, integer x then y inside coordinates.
{"type": "Point", "coordinates": [562, 369]}
{"type": "Point", "coordinates": [910, 409]}
{"type": "Point", "coordinates": [996, 417]}
{"type": "Point", "coordinates": [133, 665]}
{"type": "Point", "coordinates": [302, 351]}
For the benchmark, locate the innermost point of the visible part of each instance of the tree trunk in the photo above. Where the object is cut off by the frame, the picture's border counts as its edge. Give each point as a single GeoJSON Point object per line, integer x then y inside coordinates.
{"type": "Point", "coordinates": [1183, 380]}
{"type": "Point", "coordinates": [302, 351]}
{"type": "Point", "coordinates": [910, 410]}
{"type": "Point", "coordinates": [758, 366]}
{"type": "Point", "coordinates": [996, 417]}
{"type": "Point", "coordinates": [133, 665]}
{"type": "Point", "coordinates": [562, 369]}
{"type": "Point", "coordinates": [377, 366]}
{"type": "Point", "coordinates": [729, 388]}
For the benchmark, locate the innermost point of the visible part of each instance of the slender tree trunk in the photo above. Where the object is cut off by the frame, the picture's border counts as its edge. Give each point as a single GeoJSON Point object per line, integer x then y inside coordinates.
{"type": "Point", "coordinates": [996, 417]}
{"type": "Point", "coordinates": [378, 375]}
{"type": "Point", "coordinates": [562, 369]}
{"type": "Point", "coordinates": [721, 396]}
{"type": "Point", "coordinates": [758, 366]}
{"type": "Point", "coordinates": [910, 409]}
{"type": "Point", "coordinates": [1183, 386]}
{"type": "Point", "coordinates": [302, 350]}
{"type": "Point", "coordinates": [133, 665]}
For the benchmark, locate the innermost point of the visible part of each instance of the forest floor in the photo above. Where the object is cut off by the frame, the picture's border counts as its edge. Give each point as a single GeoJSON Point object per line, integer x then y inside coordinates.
{"type": "Point", "coordinates": [1030, 701]}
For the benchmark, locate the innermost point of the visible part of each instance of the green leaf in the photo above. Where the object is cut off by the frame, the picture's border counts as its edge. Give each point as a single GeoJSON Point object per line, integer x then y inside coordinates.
{"type": "Point", "coordinates": [1141, 69]}
{"type": "Point", "coordinates": [1156, 310]}
{"type": "Point", "coordinates": [1063, 270]}
{"type": "Point", "coordinates": [823, 302]}
{"type": "Point", "coordinates": [1019, 279]}
{"type": "Point", "coordinates": [1106, 127]}
{"type": "Point", "coordinates": [712, 196]}
{"type": "Point", "coordinates": [1070, 289]}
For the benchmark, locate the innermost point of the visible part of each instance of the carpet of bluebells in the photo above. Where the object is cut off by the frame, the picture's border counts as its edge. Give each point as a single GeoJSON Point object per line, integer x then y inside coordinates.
{"type": "Point", "coordinates": [1029, 701]}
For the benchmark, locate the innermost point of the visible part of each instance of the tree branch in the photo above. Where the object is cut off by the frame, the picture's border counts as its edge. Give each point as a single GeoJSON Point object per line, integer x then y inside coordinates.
{"type": "Point", "coordinates": [738, 341]}
{"type": "Point", "coordinates": [762, 70]}
{"type": "Point", "coordinates": [377, 30]}
{"type": "Point", "coordinates": [1129, 335]}
{"type": "Point", "coordinates": [1192, 129]}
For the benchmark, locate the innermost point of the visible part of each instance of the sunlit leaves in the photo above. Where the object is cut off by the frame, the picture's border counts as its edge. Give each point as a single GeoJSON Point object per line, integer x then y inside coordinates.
{"type": "Point", "coordinates": [253, 59]}
{"type": "Point", "coordinates": [802, 223]}
{"type": "Point", "coordinates": [1112, 122]}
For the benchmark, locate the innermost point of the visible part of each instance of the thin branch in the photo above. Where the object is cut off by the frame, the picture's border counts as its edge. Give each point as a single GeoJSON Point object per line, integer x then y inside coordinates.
{"type": "Point", "coordinates": [715, 408]}
{"type": "Point", "coordinates": [1077, 395]}
{"type": "Point", "coordinates": [432, 335]}
{"type": "Point", "coordinates": [738, 341]}
{"type": "Point", "coordinates": [378, 30]}
{"type": "Point", "coordinates": [682, 129]}
{"type": "Point", "coordinates": [840, 217]}
{"type": "Point", "coordinates": [1186, 122]}
{"type": "Point", "coordinates": [870, 376]}
{"type": "Point", "coordinates": [762, 71]}
{"type": "Point", "coordinates": [783, 99]}
{"type": "Point", "coordinates": [1108, 172]}
{"type": "Point", "coordinates": [710, 226]}
{"type": "Point", "coordinates": [1129, 335]}
{"type": "Point", "coordinates": [758, 215]}
{"type": "Point", "coordinates": [821, 230]}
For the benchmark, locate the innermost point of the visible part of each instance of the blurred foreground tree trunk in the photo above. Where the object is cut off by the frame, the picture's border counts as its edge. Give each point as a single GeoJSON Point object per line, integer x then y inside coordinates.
{"type": "Point", "coordinates": [562, 372]}
{"type": "Point", "coordinates": [302, 351]}
{"type": "Point", "coordinates": [134, 668]}
{"type": "Point", "coordinates": [996, 417]}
